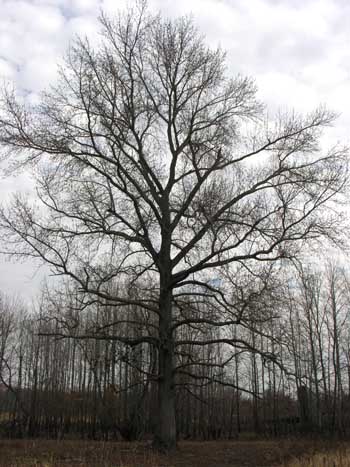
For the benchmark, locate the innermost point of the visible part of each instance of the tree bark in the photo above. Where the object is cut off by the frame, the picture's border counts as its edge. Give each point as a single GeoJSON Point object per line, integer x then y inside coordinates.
{"type": "Point", "coordinates": [165, 436]}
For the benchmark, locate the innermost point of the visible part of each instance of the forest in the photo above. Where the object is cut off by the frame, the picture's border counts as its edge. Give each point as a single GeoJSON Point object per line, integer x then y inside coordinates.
{"type": "Point", "coordinates": [195, 245]}
{"type": "Point", "coordinates": [93, 388]}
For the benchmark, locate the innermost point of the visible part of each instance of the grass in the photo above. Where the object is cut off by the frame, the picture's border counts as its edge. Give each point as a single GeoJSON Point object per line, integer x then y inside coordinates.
{"type": "Point", "coordinates": [337, 458]}
{"type": "Point", "coordinates": [245, 453]}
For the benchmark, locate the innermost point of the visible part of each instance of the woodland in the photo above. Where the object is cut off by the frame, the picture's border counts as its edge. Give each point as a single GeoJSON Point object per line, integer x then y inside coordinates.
{"type": "Point", "coordinates": [196, 246]}
{"type": "Point", "coordinates": [289, 375]}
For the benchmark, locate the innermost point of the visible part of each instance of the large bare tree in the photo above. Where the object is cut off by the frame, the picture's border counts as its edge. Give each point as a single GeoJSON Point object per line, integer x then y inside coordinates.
{"type": "Point", "coordinates": [155, 168]}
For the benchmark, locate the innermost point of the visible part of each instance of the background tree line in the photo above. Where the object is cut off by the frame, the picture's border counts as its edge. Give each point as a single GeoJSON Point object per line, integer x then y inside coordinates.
{"type": "Point", "coordinates": [289, 371]}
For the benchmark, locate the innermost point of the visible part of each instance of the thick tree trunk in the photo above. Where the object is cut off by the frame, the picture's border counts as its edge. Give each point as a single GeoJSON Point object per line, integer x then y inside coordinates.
{"type": "Point", "coordinates": [165, 435]}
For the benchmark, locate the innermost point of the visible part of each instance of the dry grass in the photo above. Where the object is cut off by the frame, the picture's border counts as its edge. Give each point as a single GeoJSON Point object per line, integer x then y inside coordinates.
{"type": "Point", "coordinates": [338, 458]}
{"type": "Point", "coordinates": [245, 453]}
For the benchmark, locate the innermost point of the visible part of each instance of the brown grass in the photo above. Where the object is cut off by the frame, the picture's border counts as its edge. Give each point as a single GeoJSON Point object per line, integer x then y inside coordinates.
{"type": "Point", "coordinates": [245, 453]}
{"type": "Point", "coordinates": [338, 458]}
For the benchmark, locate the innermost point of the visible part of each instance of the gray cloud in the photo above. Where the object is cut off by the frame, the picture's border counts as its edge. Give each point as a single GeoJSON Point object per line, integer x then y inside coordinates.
{"type": "Point", "coordinates": [298, 51]}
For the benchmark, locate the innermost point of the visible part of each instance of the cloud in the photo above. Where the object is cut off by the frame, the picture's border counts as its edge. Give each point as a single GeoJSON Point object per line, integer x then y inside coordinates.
{"type": "Point", "coordinates": [296, 49]}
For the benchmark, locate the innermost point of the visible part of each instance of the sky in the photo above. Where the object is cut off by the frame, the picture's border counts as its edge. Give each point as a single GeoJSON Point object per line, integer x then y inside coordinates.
{"type": "Point", "coordinates": [298, 52]}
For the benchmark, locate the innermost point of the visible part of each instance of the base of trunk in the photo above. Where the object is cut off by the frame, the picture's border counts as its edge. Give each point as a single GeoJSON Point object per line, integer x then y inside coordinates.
{"type": "Point", "coordinates": [164, 446]}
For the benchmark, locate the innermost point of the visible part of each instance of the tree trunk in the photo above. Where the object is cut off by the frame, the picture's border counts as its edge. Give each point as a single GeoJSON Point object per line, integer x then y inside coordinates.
{"type": "Point", "coordinates": [165, 435]}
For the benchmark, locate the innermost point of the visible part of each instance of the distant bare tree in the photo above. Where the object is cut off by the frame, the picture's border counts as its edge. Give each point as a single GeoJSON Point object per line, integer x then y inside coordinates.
{"type": "Point", "coordinates": [156, 168]}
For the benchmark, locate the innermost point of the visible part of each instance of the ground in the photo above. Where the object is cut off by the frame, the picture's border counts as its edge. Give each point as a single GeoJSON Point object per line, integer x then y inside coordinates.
{"type": "Point", "coordinates": [247, 453]}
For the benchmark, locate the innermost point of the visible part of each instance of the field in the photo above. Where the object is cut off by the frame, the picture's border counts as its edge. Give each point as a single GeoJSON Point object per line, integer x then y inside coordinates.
{"type": "Point", "coordinates": [249, 453]}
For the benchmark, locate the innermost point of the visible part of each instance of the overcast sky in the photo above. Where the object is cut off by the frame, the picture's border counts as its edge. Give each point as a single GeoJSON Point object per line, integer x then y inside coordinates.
{"type": "Point", "coordinates": [298, 51]}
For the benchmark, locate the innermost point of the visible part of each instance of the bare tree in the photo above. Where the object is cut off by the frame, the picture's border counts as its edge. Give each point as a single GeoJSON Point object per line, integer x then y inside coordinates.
{"type": "Point", "coordinates": [154, 167]}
